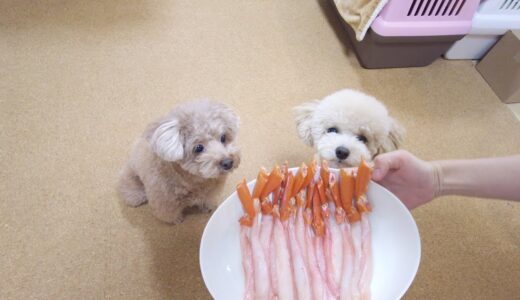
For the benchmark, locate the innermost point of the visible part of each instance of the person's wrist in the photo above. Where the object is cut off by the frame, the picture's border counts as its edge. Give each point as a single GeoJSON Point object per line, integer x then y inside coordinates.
{"type": "Point", "coordinates": [437, 179]}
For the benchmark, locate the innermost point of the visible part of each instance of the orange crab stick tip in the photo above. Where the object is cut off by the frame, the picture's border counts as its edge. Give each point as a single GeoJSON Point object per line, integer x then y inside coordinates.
{"type": "Point", "coordinates": [299, 179]}
{"type": "Point", "coordinates": [311, 170]}
{"type": "Point", "coordinates": [310, 195]}
{"type": "Point", "coordinates": [267, 207]}
{"type": "Point", "coordinates": [363, 206]}
{"type": "Point", "coordinates": [300, 199]}
{"type": "Point", "coordinates": [324, 173]}
{"type": "Point", "coordinates": [246, 220]}
{"type": "Point", "coordinates": [292, 206]}
{"type": "Point", "coordinates": [261, 181]}
{"type": "Point", "coordinates": [363, 178]}
{"type": "Point", "coordinates": [284, 209]}
{"type": "Point", "coordinates": [346, 189]}
{"type": "Point", "coordinates": [245, 197]}
{"type": "Point", "coordinates": [321, 191]}
{"type": "Point", "coordinates": [276, 195]}
{"type": "Point", "coordinates": [353, 215]}
{"type": "Point", "coordinates": [319, 226]}
{"type": "Point", "coordinates": [274, 181]}
{"type": "Point", "coordinates": [334, 190]}
{"type": "Point", "coordinates": [325, 211]}
{"type": "Point", "coordinates": [307, 216]}
{"type": "Point", "coordinates": [285, 168]}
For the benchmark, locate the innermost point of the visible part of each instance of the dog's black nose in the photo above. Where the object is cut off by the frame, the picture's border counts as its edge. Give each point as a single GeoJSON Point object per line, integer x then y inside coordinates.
{"type": "Point", "coordinates": [342, 153]}
{"type": "Point", "coordinates": [226, 163]}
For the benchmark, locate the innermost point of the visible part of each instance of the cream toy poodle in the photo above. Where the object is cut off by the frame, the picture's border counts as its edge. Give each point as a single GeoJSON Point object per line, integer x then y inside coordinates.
{"type": "Point", "coordinates": [348, 125]}
{"type": "Point", "coordinates": [180, 159]}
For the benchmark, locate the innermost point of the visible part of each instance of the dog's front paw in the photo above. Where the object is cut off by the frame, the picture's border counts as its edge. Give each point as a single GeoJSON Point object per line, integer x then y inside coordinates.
{"type": "Point", "coordinates": [172, 218]}
{"type": "Point", "coordinates": [206, 209]}
{"type": "Point", "coordinates": [179, 219]}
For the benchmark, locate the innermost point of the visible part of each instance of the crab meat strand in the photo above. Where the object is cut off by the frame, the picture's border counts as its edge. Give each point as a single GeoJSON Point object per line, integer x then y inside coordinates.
{"type": "Point", "coordinates": [330, 241]}
{"type": "Point", "coordinates": [366, 261]}
{"type": "Point", "coordinates": [266, 237]}
{"type": "Point", "coordinates": [260, 265]}
{"type": "Point", "coordinates": [300, 225]}
{"type": "Point", "coordinates": [336, 248]}
{"type": "Point", "coordinates": [283, 259]}
{"type": "Point", "coordinates": [247, 263]}
{"type": "Point", "coordinates": [300, 272]}
{"type": "Point", "coordinates": [362, 181]}
{"type": "Point", "coordinates": [355, 230]}
{"type": "Point", "coordinates": [320, 241]}
{"type": "Point", "coordinates": [348, 263]}
{"type": "Point", "coordinates": [318, 283]}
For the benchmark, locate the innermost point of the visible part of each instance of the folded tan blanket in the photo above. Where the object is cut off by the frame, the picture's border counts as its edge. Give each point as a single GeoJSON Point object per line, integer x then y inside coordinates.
{"type": "Point", "coordinates": [359, 14]}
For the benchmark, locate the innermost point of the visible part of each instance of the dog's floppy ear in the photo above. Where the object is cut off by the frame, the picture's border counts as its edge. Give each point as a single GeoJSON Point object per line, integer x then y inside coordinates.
{"type": "Point", "coordinates": [166, 140]}
{"type": "Point", "coordinates": [304, 114]}
{"type": "Point", "coordinates": [232, 121]}
{"type": "Point", "coordinates": [394, 139]}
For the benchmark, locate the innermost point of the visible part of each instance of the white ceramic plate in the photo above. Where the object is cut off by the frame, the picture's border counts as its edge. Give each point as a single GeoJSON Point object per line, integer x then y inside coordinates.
{"type": "Point", "coordinates": [396, 247]}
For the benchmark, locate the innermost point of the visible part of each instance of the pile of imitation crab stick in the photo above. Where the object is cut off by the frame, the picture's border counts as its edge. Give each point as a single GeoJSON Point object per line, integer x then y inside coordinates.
{"type": "Point", "coordinates": [306, 235]}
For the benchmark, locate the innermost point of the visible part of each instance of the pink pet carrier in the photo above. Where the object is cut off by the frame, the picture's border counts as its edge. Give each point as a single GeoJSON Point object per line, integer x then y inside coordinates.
{"type": "Point", "coordinates": [413, 33]}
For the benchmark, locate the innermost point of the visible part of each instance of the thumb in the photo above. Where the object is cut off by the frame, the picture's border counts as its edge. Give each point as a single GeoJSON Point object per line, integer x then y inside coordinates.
{"type": "Point", "coordinates": [385, 162]}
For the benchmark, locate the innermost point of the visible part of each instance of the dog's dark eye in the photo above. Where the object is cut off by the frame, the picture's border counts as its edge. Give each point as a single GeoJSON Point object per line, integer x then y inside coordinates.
{"type": "Point", "coordinates": [223, 139]}
{"type": "Point", "coordinates": [362, 138]}
{"type": "Point", "coordinates": [198, 149]}
{"type": "Point", "coordinates": [332, 129]}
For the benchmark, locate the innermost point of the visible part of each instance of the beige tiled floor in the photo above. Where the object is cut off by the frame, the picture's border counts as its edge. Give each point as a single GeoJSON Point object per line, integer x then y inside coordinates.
{"type": "Point", "coordinates": [80, 80]}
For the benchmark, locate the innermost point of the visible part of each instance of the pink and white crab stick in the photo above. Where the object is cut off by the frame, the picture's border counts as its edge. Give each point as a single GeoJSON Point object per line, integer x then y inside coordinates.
{"type": "Point", "coordinates": [260, 263]}
{"type": "Point", "coordinates": [245, 244]}
{"type": "Point", "coordinates": [312, 240]}
{"type": "Point", "coordinates": [334, 225]}
{"type": "Point", "coordinates": [284, 272]}
{"type": "Point", "coordinates": [362, 181]}
{"type": "Point", "coordinates": [331, 236]}
{"type": "Point", "coordinates": [299, 264]}
{"type": "Point", "coordinates": [351, 239]}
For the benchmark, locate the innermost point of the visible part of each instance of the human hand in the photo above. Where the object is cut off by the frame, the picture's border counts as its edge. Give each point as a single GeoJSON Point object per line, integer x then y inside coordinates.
{"type": "Point", "coordinates": [412, 180]}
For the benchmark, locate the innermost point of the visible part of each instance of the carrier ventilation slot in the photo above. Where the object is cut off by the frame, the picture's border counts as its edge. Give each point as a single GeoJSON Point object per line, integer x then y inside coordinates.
{"type": "Point", "coordinates": [510, 4]}
{"type": "Point", "coordinates": [441, 7]}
